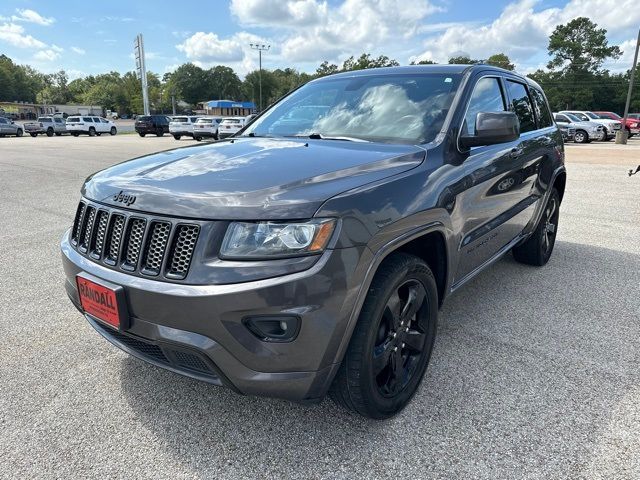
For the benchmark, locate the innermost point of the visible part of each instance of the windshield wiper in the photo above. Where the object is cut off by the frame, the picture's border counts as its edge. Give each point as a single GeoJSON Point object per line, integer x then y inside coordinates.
{"type": "Point", "coordinates": [319, 136]}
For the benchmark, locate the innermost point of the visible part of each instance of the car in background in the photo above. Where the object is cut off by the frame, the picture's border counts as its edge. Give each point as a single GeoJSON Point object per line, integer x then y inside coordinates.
{"type": "Point", "coordinates": [585, 130]}
{"type": "Point", "coordinates": [230, 126]}
{"type": "Point", "coordinates": [154, 124]}
{"type": "Point", "coordinates": [92, 126]}
{"type": "Point", "coordinates": [610, 126]}
{"type": "Point", "coordinates": [9, 127]}
{"type": "Point", "coordinates": [47, 126]}
{"type": "Point", "coordinates": [568, 132]}
{"type": "Point", "coordinates": [207, 127]}
{"type": "Point", "coordinates": [182, 126]}
{"type": "Point", "coordinates": [634, 115]}
{"type": "Point", "coordinates": [632, 125]}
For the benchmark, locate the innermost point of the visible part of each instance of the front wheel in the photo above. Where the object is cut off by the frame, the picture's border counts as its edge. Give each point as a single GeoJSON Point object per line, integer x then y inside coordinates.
{"type": "Point", "coordinates": [50, 132]}
{"type": "Point", "coordinates": [19, 132]}
{"type": "Point", "coordinates": [537, 249]}
{"type": "Point", "coordinates": [142, 134]}
{"type": "Point", "coordinates": [34, 135]}
{"type": "Point", "coordinates": [177, 137]}
{"type": "Point", "coordinates": [113, 131]}
{"type": "Point", "coordinates": [392, 341]}
{"type": "Point", "coordinates": [58, 134]}
{"type": "Point", "coordinates": [75, 134]}
{"type": "Point", "coordinates": [197, 139]}
{"type": "Point", "coordinates": [92, 132]}
{"type": "Point", "coordinates": [159, 132]}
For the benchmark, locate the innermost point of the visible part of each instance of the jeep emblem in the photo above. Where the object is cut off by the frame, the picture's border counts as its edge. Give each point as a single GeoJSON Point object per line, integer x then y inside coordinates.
{"type": "Point", "coordinates": [124, 198]}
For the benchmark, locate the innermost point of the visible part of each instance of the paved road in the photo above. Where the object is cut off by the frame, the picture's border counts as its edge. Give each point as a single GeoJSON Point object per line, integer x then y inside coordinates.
{"type": "Point", "coordinates": [534, 374]}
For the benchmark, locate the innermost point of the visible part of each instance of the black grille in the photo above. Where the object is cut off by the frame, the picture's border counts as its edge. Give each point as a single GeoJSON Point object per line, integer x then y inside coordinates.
{"type": "Point", "coordinates": [156, 246]}
{"type": "Point", "coordinates": [114, 237]}
{"type": "Point", "coordinates": [144, 348]}
{"type": "Point", "coordinates": [100, 234]}
{"type": "Point", "coordinates": [183, 245]}
{"type": "Point", "coordinates": [77, 223]}
{"type": "Point", "coordinates": [135, 234]}
{"type": "Point", "coordinates": [190, 361]}
{"type": "Point", "coordinates": [146, 246]}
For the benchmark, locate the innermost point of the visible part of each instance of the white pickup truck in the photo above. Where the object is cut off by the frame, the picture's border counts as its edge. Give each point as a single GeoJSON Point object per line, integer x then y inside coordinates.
{"type": "Point", "coordinates": [46, 125]}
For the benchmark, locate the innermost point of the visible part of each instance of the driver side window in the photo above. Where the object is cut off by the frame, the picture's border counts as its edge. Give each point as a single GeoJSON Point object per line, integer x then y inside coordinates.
{"type": "Point", "coordinates": [487, 97]}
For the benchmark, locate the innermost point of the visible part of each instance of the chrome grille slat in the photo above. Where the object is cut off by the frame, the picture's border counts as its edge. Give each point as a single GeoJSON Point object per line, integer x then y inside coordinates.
{"type": "Point", "coordinates": [137, 243]}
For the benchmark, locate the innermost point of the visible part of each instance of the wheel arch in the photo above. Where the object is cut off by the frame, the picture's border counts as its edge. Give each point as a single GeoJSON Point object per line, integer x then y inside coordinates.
{"type": "Point", "coordinates": [560, 183]}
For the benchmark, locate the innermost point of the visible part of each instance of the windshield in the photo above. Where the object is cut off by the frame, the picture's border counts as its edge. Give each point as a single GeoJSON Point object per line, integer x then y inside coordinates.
{"type": "Point", "coordinates": [610, 116]}
{"type": "Point", "coordinates": [401, 108]}
{"type": "Point", "coordinates": [572, 117]}
{"type": "Point", "coordinates": [592, 115]}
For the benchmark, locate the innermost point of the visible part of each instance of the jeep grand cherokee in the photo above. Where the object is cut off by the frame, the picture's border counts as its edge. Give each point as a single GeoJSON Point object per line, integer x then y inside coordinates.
{"type": "Point", "coordinates": [310, 253]}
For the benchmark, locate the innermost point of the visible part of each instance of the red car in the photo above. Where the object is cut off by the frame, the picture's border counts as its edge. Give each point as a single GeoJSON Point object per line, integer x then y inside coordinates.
{"type": "Point", "coordinates": [632, 126]}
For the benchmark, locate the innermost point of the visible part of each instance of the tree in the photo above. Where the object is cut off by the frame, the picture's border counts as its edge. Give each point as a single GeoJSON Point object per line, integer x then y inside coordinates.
{"type": "Point", "coordinates": [222, 82]}
{"type": "Point", "coordinates": [191, 83]}
{"type": "Point", "coordinates": [500, 60]}
{"type": "Point", "coordinates": [423, 62]}
{"type": "Point", "coordinates": [462, 60]}
{"type": "Point", "coordinates": [580, 46]}
{"type": "Point", "coordinates": [326, 68]}
{"type": "Point", "coordinates": [366, 61]}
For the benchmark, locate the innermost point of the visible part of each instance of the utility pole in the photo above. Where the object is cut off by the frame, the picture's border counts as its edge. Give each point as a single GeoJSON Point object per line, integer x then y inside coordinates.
{"type": "Point", "coordinates": [141, 68]}
{"type": "Point", "coordinates": [173, 100]}
{"type": "Point", "coordinates": [261, 48]}
{"type": "Point", "coordinates": [621, 135]}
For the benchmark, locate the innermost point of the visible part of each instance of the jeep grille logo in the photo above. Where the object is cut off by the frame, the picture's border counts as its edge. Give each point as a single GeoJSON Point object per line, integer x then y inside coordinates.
{"type": "Point", "coordinates": [124, 198]}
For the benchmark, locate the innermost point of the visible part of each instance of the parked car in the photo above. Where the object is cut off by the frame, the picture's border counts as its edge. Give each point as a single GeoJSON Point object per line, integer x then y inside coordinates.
{"type": "Point", "coordinates": [46, 125]}
{"type": "Point", "coordinates": [632, 125]}
{"type": "Point", "coordinates": [230, 126]}
{"type": "Point", "coordinates": [316, 260]}
{"type": "Point", "coordinates": [9, 127]}
{"type": "Point", "coordinates": [635, 116]}
{"type": "Point", "coordinates": [154, 124]}
{"type": "Point", "coordinates": [91, 126]}
{"type": "Point", "coordinates": [206, 127]}
{"type": "Point", "coordinates": [182, 126]}
{"type": "Point", "coordinates": [610, 126]}
{"type": "Point", "coordinates": [585, 131]}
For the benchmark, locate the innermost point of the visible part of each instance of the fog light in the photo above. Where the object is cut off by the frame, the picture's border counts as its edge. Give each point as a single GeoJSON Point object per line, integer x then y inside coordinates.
{"type": "Point", "coordinates": [273, 328]}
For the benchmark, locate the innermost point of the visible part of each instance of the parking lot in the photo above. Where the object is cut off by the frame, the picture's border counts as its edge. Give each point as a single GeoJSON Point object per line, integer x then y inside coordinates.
{"type": "Point", "coordinates": [534, 374]}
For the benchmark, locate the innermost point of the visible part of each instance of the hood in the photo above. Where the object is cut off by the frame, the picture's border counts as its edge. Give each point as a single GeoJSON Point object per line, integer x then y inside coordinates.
{"type": "Point", "coordinates": [248, 178]}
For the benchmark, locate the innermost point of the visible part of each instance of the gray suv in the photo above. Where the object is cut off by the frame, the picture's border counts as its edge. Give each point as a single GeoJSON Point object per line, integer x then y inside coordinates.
{"type": "Point", "coordinates": [310, 253]}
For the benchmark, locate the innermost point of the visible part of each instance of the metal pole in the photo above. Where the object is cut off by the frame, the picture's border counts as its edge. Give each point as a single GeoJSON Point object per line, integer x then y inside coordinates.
{"type": "Point", "coordinates": [173, 101]}
{"type": "Point", "coordinates": [621, 135]}
{"type": "Point", "coordinates": [260, 48]}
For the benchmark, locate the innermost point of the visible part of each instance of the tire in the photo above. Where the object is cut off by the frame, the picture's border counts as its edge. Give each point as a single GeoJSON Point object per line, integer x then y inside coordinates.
{"type": "Point", "coordinates": [603, 137]}
{"type": "Point", "coordinates": [58, 134]}
{"type": "Point", "coordinates": [142, 134]}
{"type": "Point", "coordinates": [113, 131]}
{"type": "Point", "coordinates": [177, 137]}
{"type": "Point", "coordinates": [581, 137]}
{"type": "Point", "coordinates": [34, 135]}
{"type": "Point", "coordinates": [537, 249]}
{"type": "Point", "coordinates": [159, 132]}
{"type": "Point", "coordinates": [98, 133]}
{"type": "Point", "coordinates": [92, 132]}
{"type": "Point", "coordinates": [49, 132]}
{"type": "Point", "coordinates": [19, 132]}
{"type": "Point", "coordinates": [394, 337]}
{"type": "Point", "coordinates": [75, 134]}
{"type": "Point", "coordinates": [197, 139]}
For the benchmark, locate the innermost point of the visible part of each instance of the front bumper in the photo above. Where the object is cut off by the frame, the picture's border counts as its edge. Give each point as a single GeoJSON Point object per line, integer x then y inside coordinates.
{"type": "Point", "coordinates": [206, 324]}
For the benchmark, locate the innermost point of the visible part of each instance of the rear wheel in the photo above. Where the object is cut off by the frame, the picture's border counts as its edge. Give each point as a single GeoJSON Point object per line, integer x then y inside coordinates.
{"type": "Point", "coordinates": [142, 134]}
{"type": "Point", "coordinates": [75, 134]}
{"type": "Point", "coordinates": [113, 131]}
{"type": "Point", "coordinates": [49, 132]}
{"type": "Point", "coordinates": [392, 341]}
{"type": "Point", "coordinates": [34, 135]}
{"type": "Point", "coordinates": [177, 137]}
{"type": "Point", "coordinates": [537, 249]}
{"type": "Point", "coordinates": [197, 139]}
{"type": "Point", "coordinates": [159, 132]}
{"type": "Point", "coordinates": [581, 137]}
{"type": "Point", "coordinates": [92, 132]}
{"type": "Point", "coordinates": [19, 132]}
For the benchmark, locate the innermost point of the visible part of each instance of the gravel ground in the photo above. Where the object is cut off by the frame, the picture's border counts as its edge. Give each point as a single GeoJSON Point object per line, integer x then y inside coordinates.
{"type": "Point", "coordinates": [534, 374]}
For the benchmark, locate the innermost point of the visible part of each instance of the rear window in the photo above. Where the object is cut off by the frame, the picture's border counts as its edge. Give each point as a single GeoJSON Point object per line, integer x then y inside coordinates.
{"type": "Point", "coordinates": [73, 119]}
{"type": "Point", "coordinates": [204, 120]}
{"type": "Point", "coordinates": [45, 120]}
{"type": "Point", "coordinates": [521, 105]}
{"type": "Point", "coordinates": [180, 119]}
{"type": "Point", "coordinates": [231, 120]}
{"type": "Point", "coordinates": [87, 119]}
{"type": "Point", "coordinates": [540, 106]}
{"type": "Point", "coordinates": [144, 119]}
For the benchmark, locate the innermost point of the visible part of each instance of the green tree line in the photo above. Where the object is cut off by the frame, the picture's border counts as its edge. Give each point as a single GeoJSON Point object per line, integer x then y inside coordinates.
{"type": "Point", "coordinates": [574, 78]}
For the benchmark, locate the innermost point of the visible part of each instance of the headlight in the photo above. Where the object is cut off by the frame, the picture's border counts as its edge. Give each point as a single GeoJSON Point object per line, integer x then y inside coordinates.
{"type": "Point", "coordinates": [245, 240]}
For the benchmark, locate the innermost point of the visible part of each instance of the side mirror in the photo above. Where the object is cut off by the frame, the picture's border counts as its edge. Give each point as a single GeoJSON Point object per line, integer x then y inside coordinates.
{"type": "Point", "coordinates": [493, 128]}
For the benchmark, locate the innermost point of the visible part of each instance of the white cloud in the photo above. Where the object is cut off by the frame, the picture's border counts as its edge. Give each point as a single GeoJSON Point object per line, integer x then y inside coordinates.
{"type": "Point", "coordinates": [31, 16]}
{"type": "Point", "coordinates": [299, 13]}
{"type": "Point", "coordinates": [522, 32]}
{"type": "Point", "coordinates": [208, 47]}
{"type": "Point", "coordinates": [48, 55]}
{"type": "Point", "coordinates": [78, 50]}
{"type": "Point", "coordinates": [14, 35]}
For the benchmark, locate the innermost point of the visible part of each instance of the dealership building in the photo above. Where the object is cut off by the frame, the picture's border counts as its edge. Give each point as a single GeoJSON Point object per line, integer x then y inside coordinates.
{"type": "Point", "coordinates": [226, 108]}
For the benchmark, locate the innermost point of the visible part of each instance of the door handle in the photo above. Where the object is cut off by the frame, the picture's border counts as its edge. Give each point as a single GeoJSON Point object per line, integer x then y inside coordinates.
{"type": "Point", "coordinates": [515, 152]}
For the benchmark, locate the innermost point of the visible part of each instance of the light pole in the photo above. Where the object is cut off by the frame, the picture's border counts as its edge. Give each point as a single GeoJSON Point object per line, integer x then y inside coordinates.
{"type": "Point", "coordinates": [261, 48]}
{"type": "Point", "coordinates": [621, 135]}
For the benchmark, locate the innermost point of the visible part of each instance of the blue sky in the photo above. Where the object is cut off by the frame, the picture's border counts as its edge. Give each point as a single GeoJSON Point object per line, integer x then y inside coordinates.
{"type": "Point", "coordinates": [85, 37]}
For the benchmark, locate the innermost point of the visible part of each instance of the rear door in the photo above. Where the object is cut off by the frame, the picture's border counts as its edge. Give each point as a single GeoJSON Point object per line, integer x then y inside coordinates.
{"type": "Point", "coordinates": [3, 126]}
